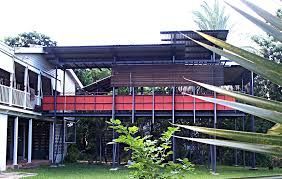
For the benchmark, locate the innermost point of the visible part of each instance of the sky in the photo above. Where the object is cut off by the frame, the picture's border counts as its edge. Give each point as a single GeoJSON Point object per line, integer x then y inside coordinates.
{"type": "Point", "coordinates": [107, 22]}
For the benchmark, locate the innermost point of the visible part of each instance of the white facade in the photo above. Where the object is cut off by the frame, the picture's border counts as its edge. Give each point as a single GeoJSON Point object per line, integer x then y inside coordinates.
{"type": "Point", "coordinates": [24, 77]}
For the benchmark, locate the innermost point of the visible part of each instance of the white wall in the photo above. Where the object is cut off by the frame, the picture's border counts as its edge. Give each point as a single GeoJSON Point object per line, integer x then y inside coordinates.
{"type": "Point", "coordinates": [3, 140]}
{"type": "Point", "coordinates": [38, 61]}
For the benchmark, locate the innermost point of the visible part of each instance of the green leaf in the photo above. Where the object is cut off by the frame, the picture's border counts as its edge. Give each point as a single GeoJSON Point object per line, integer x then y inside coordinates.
{"type": "Point", "coordinates": [256, 59]}
{"type": "Point", "coordinates": [273, 20]}
{"type": "Point", "coordinates": [268, 149]}
{"type": "Point", "coordinates": [250, 137]}
{"type": "Point", "coordinates": [275, 130]}
{"type": "Point", "coordinates": [264, 67]}
{"type": "Point", "coordinates": [264, 26]}
{"type": "Point", "coordinates": [253, 100]}
{"type": "Point", "coordinates": [273, 116]}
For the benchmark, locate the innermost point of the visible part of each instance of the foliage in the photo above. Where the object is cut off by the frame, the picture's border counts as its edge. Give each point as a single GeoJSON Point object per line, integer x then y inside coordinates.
{"type": "Point", "coordinates": [27, 39]}
{"type": "Point", "coordinates": [88, 76]}
{"type": "Point", "coordinates": [150, 157]}
{"type": "Point", "coordinates": [211, 17]}
{"type": "Point", "coordinates": [73, 154]}
{"type": "Point", "coordinates": [90, 134]}
{"type": "Point", "coordinates": [270, 110]}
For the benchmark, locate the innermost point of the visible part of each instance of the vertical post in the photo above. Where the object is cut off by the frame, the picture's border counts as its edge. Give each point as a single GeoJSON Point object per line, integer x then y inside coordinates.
{"type": "Point", "coordinates": [11, 89]}
{"type": "Point", "coordinates": [133, 106]}
{"type": "Point", "coordinates": [244, 152]}
{"type": "Point", "coordinates": [243, 121]}
{"type": "Point", "coordinates": [236, 151]}
{"type": "Point", "coordinates": [173, 121]}
{"type": "Point", "coordinates": [55, 117]}
{"type": "Point", "coordinates": [214, 147]}
{"type": "Point", "coordinates": [29, 151]}
{"type": "Point", "coordinates": [3, 140]}
{"type": "Point", "coordinates": [153, 105]}
{"type": "Point", "coordinates": [15, 153]}
{"type": "Point", "coordinates": [63, 126]}
{"type": "Point", "coordinates": [194, 105]}
{"type": "Point", "coordinates": [253, 165]}
{"type": "Point", "coordinates": [25, 86]}
{"type": "Point", "coordinates": [38, 102]}
{"type": "Point", "coordinates": [113, 117]}
{"type": "Point", "coordinates": [24, 141]}
{"type": "Point", "coordinates": [51, 135]}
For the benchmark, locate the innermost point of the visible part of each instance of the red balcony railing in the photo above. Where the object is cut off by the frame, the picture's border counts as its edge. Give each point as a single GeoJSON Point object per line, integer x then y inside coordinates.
{"type": "Point", "coordinates": [124, 103]}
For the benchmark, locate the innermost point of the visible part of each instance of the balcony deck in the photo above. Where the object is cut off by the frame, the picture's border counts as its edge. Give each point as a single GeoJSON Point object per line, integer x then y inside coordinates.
{"type": "Point", "coordinates": [102, 105]}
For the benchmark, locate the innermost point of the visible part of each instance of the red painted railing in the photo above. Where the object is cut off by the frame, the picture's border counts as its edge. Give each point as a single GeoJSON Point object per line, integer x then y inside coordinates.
{"type": "Point", "coordinates": [124, 103]}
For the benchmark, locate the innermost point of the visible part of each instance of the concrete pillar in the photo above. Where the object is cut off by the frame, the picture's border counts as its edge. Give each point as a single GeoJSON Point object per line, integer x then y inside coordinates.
{"type": "Point", "coordinates": [29, 150]}
{"type": "Point", "coordinates": [15, 153]}
{"type": "Point", "coordinates": [3, 140]}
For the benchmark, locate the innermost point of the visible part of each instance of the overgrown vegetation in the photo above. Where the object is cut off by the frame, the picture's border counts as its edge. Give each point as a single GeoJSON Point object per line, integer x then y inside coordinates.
{"type": "Point", "coordinates": [27, 39]}
{"type": "Point", "coordinates": [270, 143]}
{"type": "Point", "coordinates": [150, 158]}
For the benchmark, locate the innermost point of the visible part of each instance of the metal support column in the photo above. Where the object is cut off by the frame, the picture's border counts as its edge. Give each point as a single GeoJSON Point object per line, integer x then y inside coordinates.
{"type": "Point", "coordinates": [236, 151]}
{"type": "Point", "coordinates": [173, 121]}
{"type": "Point", "coordinates": [253, 164]}
{"type": "Point", "coordinates": [213, 154]}
{"type": "Point", "coordinates": [244, 152]}
{"type": "Point", "coordinates": [55, 117]}
{"type": "Point", "coordinates": [63, 125]}
{"type": "Point", "coordinates": [194, 105]}
{"type": "Point", "coordinates": [243, 120]}
{"type": "Point", "coordinates": [133, 106]}
{"type": "Point", "coordinates": [113, 117]}
{"type": "Point", "coordinates": [153, 105]}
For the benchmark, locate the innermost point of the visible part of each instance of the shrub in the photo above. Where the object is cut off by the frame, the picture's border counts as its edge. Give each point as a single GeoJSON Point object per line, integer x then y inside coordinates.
{"type": "Point", "coordinates": [150, 158]}
{"type": "Point", "coordinates": [73, 154]}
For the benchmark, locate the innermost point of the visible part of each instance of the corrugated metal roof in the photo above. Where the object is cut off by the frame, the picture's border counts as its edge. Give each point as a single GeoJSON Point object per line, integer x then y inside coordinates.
{"type": "Point", "coordinates": [181, 51]}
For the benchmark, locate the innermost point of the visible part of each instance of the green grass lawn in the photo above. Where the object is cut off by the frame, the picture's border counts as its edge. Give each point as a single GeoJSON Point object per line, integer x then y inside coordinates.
{"type": "Point", "coordinates": [102, 172]}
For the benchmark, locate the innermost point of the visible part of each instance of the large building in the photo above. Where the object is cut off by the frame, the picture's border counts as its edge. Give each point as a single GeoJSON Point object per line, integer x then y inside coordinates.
{"type": "Point", "coordinates": [25, 77]}
{"type": "Point", "coordinates": [32, 102]}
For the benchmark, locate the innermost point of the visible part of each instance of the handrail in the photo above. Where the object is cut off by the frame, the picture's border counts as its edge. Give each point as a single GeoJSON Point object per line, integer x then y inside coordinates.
{"type": "Point", "coordinates": [18, 97]}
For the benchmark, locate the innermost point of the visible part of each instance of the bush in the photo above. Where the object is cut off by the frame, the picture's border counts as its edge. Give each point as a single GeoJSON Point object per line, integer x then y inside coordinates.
{"type": "Point", "coordinates": [150, 158]}
{"type": "Point", "coordinates": [72, 154]}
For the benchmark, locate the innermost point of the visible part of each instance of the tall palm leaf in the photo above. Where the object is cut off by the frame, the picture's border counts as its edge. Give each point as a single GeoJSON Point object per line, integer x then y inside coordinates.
{"type": "Point", "coordinates": [270, 110]}
{"type": "Point", "coordinates": [211, 17]}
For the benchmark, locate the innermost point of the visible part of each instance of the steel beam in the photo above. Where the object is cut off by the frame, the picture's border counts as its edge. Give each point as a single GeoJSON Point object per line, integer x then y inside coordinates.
{"type": "Point", "coordinates": [173, 121]}
{"type": "Point", "coordinates": [153, 105]}
{"type": "Point", "coordinates": [55, 117]}
{"type": "Point", "coordinates": [253, 129]}
{"type": "Point", "coordinates": [63, 125]}
{"type": "Point", "coordinates": [113, 117]}
{"type": "Point", "coordinates": [214, 147]}
{"type": "Point", "coordinates": [133, 106]}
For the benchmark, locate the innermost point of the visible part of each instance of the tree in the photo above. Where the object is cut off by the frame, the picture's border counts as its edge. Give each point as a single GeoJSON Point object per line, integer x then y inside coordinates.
{"type": "Point", "coordinates": [211, 17]}
{"type": "Point", "coordinates": [271, 110]}
{"type": "Point", "coordinates": [27, 39]}
{"type": "Point", "coordinates": [272, 50]}
{"type": "Point", "coordinates": [88, 76]}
